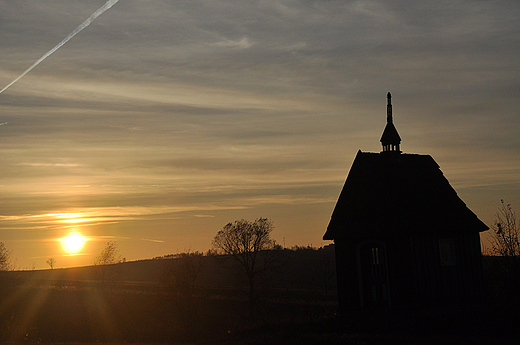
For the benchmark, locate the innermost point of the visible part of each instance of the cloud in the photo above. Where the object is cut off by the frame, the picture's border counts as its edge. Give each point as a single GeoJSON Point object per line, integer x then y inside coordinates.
{"type": "Point", "coordinates": [243, 43]}
{"type": "Point", "coordinates": [173, 118]}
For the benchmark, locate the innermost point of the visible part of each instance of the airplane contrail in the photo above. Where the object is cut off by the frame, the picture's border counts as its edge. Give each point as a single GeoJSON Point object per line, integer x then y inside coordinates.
{"type": "Point", "coordinates": [83, 25]}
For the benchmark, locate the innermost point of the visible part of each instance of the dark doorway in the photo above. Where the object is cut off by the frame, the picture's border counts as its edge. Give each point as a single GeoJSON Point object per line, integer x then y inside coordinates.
{"type": "Point", "coordinates": [373, 275]}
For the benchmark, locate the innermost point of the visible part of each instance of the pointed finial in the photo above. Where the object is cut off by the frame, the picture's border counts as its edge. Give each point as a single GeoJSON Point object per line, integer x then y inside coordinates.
{"type": "Point", "coordinates": [389, 108]}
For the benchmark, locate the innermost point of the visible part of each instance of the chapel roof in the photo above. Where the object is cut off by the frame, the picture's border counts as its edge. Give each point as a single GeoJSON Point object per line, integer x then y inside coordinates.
{"type": "Point", "coordinates": [396, 195]}
{"type": "Point", "coordinates": [390, 193]}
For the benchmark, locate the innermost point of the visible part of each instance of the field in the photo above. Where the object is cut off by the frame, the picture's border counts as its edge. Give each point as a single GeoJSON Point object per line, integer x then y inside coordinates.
{"type": "Point", "coordinates": [296, 305]}
{"type": "Point", "coordinates": [136, 304]}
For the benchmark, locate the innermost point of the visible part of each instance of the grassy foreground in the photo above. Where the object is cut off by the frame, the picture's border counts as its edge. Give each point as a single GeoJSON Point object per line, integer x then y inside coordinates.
{"type": "Point", "coordinates": [299, 306]}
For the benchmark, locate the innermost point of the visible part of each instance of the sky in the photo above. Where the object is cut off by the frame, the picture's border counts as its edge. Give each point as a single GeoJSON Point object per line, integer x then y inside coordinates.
{"type": "Point", "coordinates": [163, 121]}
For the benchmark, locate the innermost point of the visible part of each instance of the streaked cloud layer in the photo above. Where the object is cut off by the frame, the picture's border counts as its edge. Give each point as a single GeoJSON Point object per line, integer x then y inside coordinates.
{"type": "Point", "coordinates": [164, 120]}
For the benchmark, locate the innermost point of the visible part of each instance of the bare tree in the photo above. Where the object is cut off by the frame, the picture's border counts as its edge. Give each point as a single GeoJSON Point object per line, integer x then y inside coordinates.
{"type": "Point", "coordinates": [505, 266]}
{"type": "Point", "coordinates": [249, 243]}
{"type": "Point", "coordinates": [108, 256]}
{"type": "Point", "coordinates": [505, 235]}
{"type": "Point", "coordinates": [51, 262]}
{"type": "Point", "coordinates": [5, 258]}
{"type": "Point", "coordinates": [5, 265]}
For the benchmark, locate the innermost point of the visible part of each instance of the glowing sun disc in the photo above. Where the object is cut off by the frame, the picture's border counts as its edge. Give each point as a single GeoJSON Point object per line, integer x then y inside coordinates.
{"type": "Point", "coordinates": [73, 242]}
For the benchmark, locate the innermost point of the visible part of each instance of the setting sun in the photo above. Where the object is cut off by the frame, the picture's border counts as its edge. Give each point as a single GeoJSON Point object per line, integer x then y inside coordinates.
{"type": "Point", "coordinates": [73, 242]}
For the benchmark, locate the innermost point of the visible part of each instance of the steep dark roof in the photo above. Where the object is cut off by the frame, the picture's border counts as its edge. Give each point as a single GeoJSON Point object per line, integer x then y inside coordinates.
{"type": "Point", "coordinates": [398, 194]}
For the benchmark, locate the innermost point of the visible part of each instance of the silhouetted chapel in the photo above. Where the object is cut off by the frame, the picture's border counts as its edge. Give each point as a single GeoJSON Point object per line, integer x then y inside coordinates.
{"type": "Point", "coordinates": [402, 235]}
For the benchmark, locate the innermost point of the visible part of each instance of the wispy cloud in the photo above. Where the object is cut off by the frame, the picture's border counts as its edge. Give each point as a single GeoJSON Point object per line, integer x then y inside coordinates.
{"type": "Point", "coordinates": [168, 120]}
{"type": "Point", "coordinates": [243, 43]}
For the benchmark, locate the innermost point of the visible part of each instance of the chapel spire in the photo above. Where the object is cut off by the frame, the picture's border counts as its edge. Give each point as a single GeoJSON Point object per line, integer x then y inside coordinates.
{"type": "Point", "coordinates": [389, 108]}
{"type": "Point", "coordinates": [390, 138]}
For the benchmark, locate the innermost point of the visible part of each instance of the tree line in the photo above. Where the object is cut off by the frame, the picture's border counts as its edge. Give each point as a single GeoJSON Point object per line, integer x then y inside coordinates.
{"type": "Point", "coordinates": [251, 245]}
